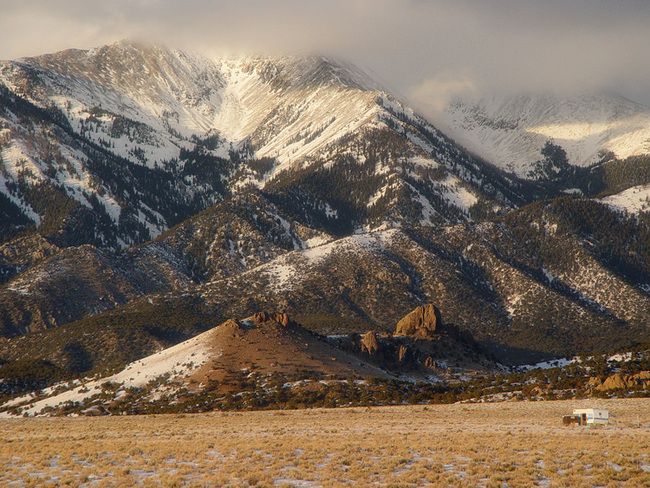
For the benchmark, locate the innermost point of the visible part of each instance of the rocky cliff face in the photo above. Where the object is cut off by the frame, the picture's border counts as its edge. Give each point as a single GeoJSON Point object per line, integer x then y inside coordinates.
{"type": "Point", "coordinates": [617, 381]}
{"type": "Point", "coordinates": [421, 347]}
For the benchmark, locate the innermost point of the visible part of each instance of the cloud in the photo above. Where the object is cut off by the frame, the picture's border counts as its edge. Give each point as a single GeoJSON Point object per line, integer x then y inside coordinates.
{"type": "Point", "coordinates": [425, 49]}
{"type": "Point", "coordinates": [433, 95]}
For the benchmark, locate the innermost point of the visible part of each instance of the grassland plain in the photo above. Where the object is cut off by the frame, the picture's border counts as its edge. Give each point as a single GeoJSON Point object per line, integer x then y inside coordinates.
{"type": "Point", "coordinates": [495, 444]}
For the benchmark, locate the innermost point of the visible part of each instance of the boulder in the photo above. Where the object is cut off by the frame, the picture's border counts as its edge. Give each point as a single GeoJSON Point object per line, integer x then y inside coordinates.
{"type": "Point", "coordinates": [261, 317]}
{"type": "Point", "coordinates": [422, 323]}
{"type": "Point", "coordinates": [401, 354]}
{"type": "Point", "coordinates": [639, 380]}
{"type": "Point", "coordinates": [614, 382]}
{"type": "Point", "coordinates": [234, 327]}
{"type": "Point", "coordinates": [619, 382]}
{"type": "Point", "coordinates": [282, 318]}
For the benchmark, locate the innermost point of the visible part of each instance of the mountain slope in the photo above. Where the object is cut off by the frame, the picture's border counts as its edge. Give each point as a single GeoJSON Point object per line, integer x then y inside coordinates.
{"type": "Point", "coordinates": [62, 286]}
{"type": "Point", "coordinates": [551, 278]}
{"type": "Point", "coordinates": [510, 131]}
{"type": "Point", "coordinates": [81, 281]}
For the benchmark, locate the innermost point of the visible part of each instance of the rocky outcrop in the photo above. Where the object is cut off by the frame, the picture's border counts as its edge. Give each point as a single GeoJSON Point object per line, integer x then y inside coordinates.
{"type": "Point", "coordinates": [643, 376]}
{"type": "Point", "coordinates": [613, 382]}
{"type": "Point", "coordinates": [401, 355]}
{"type": "Point", "coordinates": [431, 363]}
{"type": "Point", "coordinates": [423, 322]}
{"type": "Point", "coordinates": [618, 381]}
{"type": "Point", "coordinates": [281, 318]}
{"type": "Point", "coordinates": [594, 382]}
{"type": "Point", "coordinates": [18, 255]}
{"type": "Point", "coordinates": [369, 343]}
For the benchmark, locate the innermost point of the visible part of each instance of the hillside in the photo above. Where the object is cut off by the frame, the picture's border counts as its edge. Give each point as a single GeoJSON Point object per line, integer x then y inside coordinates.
{"type": "Point", "coordinates": [563, 277]}
{"type": "Point", "coordinates": [267, 351]}
{"type": "Point", "coordinates": [269, 361]}
{"type": "Point", "coordinates": [537, 280]}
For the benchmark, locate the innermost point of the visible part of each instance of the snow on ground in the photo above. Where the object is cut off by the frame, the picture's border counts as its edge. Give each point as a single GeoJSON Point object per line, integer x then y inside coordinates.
{"type": "Point", "coordinates": [553, 363]}
{"type": "Point", "coordinates": [317, 241]}
{"type": "Point", "coordinates": [179, 360]}
{"type": "Point", "coordinates": [561, 362]}
{"type": "Point", "coordinates": [281, 275]}
{"type": "Point", "coordinates": [353, 109]}
{"type": "Point", "coordinates": [458, 195]}
{"type": "Point", "coordinates": [233, 117]}
{"type": "Point", "coordinates": [627, 356]}
{"type": "Point", "coordinates": [287, 270]}
{"type": "Point", "coordinates": [633, 200]}
{"type": "Point", "coordinates": [377, 195]}
{"type": "Point", "coordinates": [428, 211]}
{"type": "Point", "coordinates": [549, 276]}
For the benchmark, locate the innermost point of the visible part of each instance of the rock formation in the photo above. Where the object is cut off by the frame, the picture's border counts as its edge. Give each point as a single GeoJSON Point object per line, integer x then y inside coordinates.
{"type": "Point", "coordinates": [622, 382]}
{"type": "Point", "coordinates": [423, 322]}
{"type": "Point", "coordinates": [280, 318]}
{"type": "Point", "coordinates": [369, 343]}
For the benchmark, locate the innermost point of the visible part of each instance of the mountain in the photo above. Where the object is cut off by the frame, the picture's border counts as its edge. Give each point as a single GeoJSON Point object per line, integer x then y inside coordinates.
{"type": "Point", "coordinates": [537, 279]}
{"type": "Point", "coordinates": [510, 131]}
{"type": "Point", "coordinates": [147, 195]}
{"type": "Point", "coordinates": [58, 286]}
{"type": "Point", "coordinates": [113, 146]}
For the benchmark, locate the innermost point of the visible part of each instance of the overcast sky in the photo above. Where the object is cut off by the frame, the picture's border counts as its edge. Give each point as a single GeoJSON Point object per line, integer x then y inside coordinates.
{"type": "Point", "coordinates": [426, 50]}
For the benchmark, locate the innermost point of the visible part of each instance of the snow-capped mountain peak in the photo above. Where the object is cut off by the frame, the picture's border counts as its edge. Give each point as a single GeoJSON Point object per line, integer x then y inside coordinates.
{"type": "Point", "coordinates": [147, 136]}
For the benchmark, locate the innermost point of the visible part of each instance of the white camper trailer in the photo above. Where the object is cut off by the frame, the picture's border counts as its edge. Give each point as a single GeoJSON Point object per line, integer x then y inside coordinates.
{"type": "Point", "coordinates": [590, 416]}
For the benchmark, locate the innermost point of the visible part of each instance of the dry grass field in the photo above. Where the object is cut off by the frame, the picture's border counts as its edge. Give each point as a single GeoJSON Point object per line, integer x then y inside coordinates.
{"type": "Point", "coordinates": [496, 444]}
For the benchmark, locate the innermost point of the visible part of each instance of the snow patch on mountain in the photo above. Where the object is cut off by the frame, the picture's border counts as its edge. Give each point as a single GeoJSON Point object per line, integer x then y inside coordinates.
{"type": "Point", "coordinates": [632, 200]}
{"type": "Point", "coordinates": [287, 271]}
{"type": "Point", "coordinates": [458, 195]}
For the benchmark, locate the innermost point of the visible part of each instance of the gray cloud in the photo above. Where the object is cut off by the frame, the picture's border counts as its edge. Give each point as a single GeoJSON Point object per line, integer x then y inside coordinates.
{"type": "Point", "coordinates": [426, 50]}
